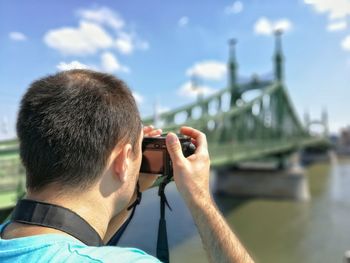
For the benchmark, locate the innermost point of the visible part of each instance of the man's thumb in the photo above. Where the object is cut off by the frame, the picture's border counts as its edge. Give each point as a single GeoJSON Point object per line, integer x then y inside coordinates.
{"type": "Point", "coordinates": [174, 147]}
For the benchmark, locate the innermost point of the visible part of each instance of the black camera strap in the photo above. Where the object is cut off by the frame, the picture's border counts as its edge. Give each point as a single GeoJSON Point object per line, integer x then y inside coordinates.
{"type": "Point", "coordinates": [53, 216]}
{"type": "Point", "coordinates": [49, 215]}
{"type": "Point", "coordinates": [162, 241]}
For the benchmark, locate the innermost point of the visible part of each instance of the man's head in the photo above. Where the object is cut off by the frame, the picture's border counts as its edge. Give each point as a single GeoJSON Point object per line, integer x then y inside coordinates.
{"type": "Point", "coordinates": [69, 124]}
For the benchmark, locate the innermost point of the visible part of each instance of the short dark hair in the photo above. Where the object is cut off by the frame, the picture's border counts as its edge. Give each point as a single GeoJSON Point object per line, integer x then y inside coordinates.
{"type": "Point", "coordinates": [69, 123]}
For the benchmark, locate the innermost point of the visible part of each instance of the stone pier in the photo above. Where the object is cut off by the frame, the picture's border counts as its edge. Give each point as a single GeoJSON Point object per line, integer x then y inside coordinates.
{"type": "Point", "coordinates": [269, 182]}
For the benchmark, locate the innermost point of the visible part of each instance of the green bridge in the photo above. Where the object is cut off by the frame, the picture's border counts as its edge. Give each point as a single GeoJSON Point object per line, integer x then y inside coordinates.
{"type": "Point", "coordinates": [237, 130]}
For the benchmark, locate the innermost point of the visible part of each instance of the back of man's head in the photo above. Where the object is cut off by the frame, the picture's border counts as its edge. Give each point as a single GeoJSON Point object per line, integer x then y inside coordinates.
{"type": "Point", "coordinates": [69, 123]}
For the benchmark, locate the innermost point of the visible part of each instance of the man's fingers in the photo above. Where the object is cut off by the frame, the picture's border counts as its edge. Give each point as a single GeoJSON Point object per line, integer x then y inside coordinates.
{"type": "Point", "coordinates": [199, 137]}
{"type": "Point", "coordinates": [155, 133]}
{"type": "Point", "coordinates": [151, 132]}
{"type": "Point", "coordinates": [174, 148]}
{"type": "Point", "coordinates": [147, 129]}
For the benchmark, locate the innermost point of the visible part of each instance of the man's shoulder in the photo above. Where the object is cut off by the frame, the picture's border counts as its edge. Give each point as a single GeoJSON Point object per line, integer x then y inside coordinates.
{"type": "Point", "coordinates": [110, 254]}
{"type": "Point", "coordinates": [59, 248]}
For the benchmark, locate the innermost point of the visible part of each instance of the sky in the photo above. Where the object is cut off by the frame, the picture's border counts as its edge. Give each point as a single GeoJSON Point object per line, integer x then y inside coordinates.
{"type": "Point", "coordinates": [156, 46]}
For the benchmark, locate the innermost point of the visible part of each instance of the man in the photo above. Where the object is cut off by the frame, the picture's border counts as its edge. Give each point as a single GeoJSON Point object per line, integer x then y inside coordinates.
{"type": "Point", "coordinates": [80, 139]}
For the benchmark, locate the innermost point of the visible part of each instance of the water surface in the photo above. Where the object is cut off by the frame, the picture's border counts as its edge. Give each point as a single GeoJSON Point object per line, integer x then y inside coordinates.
{"type": "Point", "coordinates": [272, 230]}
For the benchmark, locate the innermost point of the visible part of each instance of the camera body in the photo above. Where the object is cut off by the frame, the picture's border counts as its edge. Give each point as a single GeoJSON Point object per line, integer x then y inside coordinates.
{"type": "Point", "coordinates": [155, 156]}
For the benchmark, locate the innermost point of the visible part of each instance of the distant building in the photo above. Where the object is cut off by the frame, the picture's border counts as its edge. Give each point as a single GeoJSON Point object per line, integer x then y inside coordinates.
{"type": "Point", "coordinates": [343, 143]}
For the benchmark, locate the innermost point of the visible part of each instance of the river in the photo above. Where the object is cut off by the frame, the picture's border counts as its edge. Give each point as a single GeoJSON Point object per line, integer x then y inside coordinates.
{"type": "Point", "coordinates": [272, 230]}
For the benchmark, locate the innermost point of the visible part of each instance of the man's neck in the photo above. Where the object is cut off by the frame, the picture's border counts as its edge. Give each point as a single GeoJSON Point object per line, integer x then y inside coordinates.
{"type": "Point", "coordinates": [98, 216]}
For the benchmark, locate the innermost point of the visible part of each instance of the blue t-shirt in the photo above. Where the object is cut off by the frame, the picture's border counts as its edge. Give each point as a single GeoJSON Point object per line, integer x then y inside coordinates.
{"type": "Point", "coordinates": [63, 248]}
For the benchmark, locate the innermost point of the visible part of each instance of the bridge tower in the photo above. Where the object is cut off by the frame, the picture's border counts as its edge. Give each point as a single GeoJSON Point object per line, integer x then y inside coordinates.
{"type": "Point", "coordinates": [196, 87]}
{"type": "Point", "coordinates": [307, 121]}
{"type": "Point", "coordinates": [324, 120]}
{"type": "Point", "coordinates": [232, 72]}
{"type": "Point", "coordinates": [278, 68]}
{"type": "Point", "coordinates": [278, 57]}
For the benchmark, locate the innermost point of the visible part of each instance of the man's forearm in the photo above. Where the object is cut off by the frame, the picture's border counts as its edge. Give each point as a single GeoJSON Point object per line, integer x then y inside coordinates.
{"type": "Point", "coordinates": [219, 241]}
{"type": "Point", "coordinates": [191, 176]}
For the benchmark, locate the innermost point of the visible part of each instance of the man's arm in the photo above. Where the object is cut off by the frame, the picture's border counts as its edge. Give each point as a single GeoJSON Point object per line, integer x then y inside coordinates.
{"type": "Point", "coordinates": [218, 239]}
{"type": "Point", "coordinates": [191, 176]}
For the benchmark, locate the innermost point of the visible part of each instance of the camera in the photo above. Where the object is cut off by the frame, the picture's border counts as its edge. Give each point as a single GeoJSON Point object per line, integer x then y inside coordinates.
{"type": "Point", "coordinates": [155, 156]}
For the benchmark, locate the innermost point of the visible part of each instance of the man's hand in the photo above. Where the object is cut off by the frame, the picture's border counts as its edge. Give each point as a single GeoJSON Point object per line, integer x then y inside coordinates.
{"type": "Point", "coordinates": [191, 176]}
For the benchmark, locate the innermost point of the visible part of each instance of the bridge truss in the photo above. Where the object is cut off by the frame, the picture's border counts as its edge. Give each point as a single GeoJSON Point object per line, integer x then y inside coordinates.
{"type": "Point", "coordinates": [239, 130]}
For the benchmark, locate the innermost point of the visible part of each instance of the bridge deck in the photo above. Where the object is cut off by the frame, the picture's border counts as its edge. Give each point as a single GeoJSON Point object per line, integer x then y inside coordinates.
{"type": "Point", "coordinates": [224, 154]}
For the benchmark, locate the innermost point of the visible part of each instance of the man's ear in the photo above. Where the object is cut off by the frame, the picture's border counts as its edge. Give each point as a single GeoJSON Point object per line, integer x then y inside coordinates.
{"type": "Point", "coordinates": [121, 162]}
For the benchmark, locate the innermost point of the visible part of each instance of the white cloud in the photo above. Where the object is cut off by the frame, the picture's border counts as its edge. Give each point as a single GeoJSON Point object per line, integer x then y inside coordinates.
{"type": "Point", "coordinates": [337, 26]}
{"type": "Point", "coordinates": [345, 44]}
{"type": "Point", "coordinates": [102, 15]}
{"type": "Point", "coordinates": [138, 97]}
{"type": "Point", "coordinates": [96, 32]}
{"type": "Point", "coordinates": [124, 43]}
{"type": "Point", "coordinates": [88, 38]}
{"type": "Point", "coordinates": [17, 36]}
{"type": "Point", "coordinates": [183, 21]}
{"type": "Point", "coordinates": [211, 70]}
{"type": "Point", "coordinates": [235, 8]}
{"type": "Point", "coordinates": [110, 63]}
{"type": "Point", "coordinates": [72, 65]}
{"type": "Point", "coordinates": [188, 90]}
{"type": "Point", "coordinates": [264, 26]}
{"type": "Point", "coordinates": [283, 24]}
{"type": "Point", "coordinates": [334, 8]}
